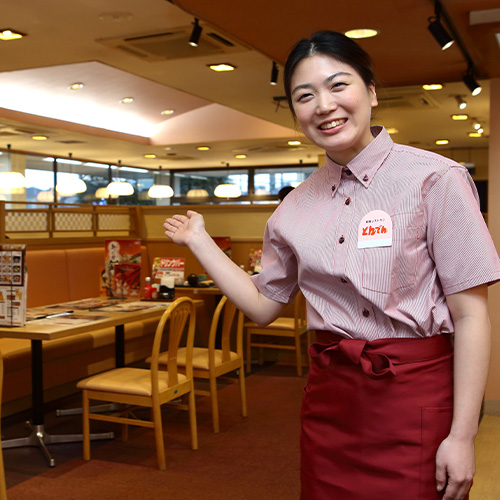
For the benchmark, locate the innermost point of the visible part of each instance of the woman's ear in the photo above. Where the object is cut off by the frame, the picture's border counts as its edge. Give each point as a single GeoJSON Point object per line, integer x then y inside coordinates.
{"type": "Point", "coordinates": [373, 94]}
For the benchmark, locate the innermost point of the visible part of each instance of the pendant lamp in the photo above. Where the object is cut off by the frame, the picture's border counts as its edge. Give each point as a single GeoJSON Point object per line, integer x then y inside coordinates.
{"type": "Point", "coordinates": [160, 190]}
{"type": "Point", "coordinates": [119, 188]}
{"type": "Point", "coordinates": [11, 181]}
{"type": "Point", "coordinates": [71, 184]}
{"type": "Point", "coordinates": [227, 190]}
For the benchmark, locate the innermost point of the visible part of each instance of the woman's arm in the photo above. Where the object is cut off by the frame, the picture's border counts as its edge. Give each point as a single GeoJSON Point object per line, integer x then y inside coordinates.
{"type": "Point", "coordinates": [189, 230]}
{"type": "Point", "coordinates": [455, 463]}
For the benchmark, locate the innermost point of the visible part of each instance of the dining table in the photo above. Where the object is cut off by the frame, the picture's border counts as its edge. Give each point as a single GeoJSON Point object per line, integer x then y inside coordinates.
{"type": "Point", "coordinates": [67, 323]}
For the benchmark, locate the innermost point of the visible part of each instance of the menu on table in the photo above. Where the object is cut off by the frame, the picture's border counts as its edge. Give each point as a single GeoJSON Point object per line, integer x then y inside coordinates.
{"type": "Point", "coordinates": [12, 285]}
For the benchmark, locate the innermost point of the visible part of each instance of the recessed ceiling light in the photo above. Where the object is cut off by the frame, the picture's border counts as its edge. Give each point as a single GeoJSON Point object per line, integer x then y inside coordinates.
{"type": "Point", "coordinates": [480, 131]}
{"type": "Point", "coordinates": [127, 100]}
{"type": "Point", "coordinates": [476, 125]}
{"type": "Point", "coordinates": [442, 142]}
{"type": "Point", "coordinates": [222, 67]}
{"type": "Point", "coordinates": [294, 143]}
{"type": "Point", "coordinates": [149, 155]}
{"type": "Point", "coordinates": [361, 33]}
{"type": "Point", "coordinates": [240, 156]}
{"type": "Point", "coordinates": [39, 137]}
{"type": "Point", "coordinates": [392, 130]}
{"type": "Point", "coordinates": [8, 34]}
{"type": "Point", "coordinates": [203, 148]}
{"type": "Point", "coordinates": [76, 86]}
{"type": "Point", "coordinates": [475, 134]}
{"type": "Point", "coordinates": [168, 112]}
{"type": "Point", "coordinates": [459, 117]}
{"type": "Point", "coordinates": [432, 86]}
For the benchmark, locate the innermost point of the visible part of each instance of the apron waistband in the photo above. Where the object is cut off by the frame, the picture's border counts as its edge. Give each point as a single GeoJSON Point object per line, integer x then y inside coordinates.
{"type": "Point", "coordinates": [378, 358]}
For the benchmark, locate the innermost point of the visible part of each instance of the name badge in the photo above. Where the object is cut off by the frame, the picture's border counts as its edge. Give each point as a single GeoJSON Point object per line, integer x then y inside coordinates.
{"type": "Point", "coordinates": [375, 230]}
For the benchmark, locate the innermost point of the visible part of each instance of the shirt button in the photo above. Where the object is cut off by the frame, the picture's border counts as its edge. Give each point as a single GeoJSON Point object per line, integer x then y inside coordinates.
{"type": "Point", "coordinates": [365, 178]}
{"type": "Point", "coordinates": [366, 313]}
{"type": "Point", "coordinates": [348, 201]}
{"type": "Point", "coordinates": [341, 240]}
{"type": "Point", "coordinates": [343, 280]}
{"type": "Point", "coordinates": [348, 172]}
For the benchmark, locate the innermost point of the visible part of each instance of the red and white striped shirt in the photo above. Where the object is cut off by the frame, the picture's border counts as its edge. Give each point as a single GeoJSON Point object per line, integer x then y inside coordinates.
{"type": "Point", "coordinates": [439, 245]}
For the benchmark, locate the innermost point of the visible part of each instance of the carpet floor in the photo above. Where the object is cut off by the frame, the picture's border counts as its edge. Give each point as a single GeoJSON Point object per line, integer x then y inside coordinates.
{"type": "Point", "coordinates": [251, 458]}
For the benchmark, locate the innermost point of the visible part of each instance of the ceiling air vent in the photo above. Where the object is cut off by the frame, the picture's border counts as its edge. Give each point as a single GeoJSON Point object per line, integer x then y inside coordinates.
{"type": "Point", "coordinates": [174, 44]}
{"type": "Point", "coordinates": [406, 98]}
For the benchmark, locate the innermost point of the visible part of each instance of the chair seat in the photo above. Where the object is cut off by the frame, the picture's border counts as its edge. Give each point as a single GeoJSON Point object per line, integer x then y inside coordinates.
{"type": "Point", "coordinates": [135, 381]}
{"type": "Point", "coordinates": [200, 357]}
{"type": "Point", "coordinates": [278, 324]}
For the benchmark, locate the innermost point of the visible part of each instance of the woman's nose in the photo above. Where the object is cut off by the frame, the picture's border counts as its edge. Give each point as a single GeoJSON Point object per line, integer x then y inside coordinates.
{"type": "Point", "coordinates": [325, 103]}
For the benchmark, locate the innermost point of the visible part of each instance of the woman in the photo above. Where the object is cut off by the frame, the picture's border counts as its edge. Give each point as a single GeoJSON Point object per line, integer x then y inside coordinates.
{"type": "Point", "coordinates": [392, 254]}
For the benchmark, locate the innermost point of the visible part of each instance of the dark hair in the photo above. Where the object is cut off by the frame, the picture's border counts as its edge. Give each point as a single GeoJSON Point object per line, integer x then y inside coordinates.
{"type": "Point", "coordinates": [284, 191]}
{"type": "Point", "coordinates": [329, 43]}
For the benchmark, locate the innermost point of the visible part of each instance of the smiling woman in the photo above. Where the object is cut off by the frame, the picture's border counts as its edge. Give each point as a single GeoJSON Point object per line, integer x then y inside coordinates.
{"type": "Point", "coordinates": [372, 241]}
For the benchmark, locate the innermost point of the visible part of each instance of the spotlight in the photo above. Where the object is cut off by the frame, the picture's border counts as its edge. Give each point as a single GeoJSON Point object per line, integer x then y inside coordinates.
{"type": "Point", "coordinates": [195, 34]}
{"type": "Point", "coordinates": [274, 74]}
{"type": "Point", "coordinates": [471, 83]}
{"type": "Point", "coordinates": [460, 102]}
{"type": "Point", "coordinates": [439, 32]}
{"type": "Point", "coordinates": [437, 29]}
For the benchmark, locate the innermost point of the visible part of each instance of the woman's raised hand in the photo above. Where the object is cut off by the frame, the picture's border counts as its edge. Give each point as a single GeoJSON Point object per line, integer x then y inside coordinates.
{"type": "Point", "coordinates": [181, 228]}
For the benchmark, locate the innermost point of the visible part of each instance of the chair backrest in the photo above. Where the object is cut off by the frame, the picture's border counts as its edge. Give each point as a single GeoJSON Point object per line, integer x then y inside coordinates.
{"type": "Point", "coordinates": [177, 315]}
{"type": "Point", "coordinates": [227, 327]}
{"type": "Point", "coordinates": [299, 310]}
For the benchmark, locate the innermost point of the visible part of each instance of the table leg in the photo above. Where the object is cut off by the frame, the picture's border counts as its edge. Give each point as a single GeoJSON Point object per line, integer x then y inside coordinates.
{"type": "Point", "coordinates": [38, 437]}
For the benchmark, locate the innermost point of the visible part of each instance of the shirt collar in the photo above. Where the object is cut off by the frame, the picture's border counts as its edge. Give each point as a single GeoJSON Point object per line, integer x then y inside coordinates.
{"type": "Point", "coordinates": [365, 165]}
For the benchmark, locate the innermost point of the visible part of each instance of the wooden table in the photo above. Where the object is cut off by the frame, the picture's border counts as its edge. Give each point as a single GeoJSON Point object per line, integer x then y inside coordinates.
{"type": "Point", "coordinates": [39, 332]}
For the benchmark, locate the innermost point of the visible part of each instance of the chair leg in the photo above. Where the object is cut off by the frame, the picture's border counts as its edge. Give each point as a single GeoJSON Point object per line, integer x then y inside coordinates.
{"type": "Point", "coordinates": [215, 406]}
{"type": "Point", "coordinates": [192, 420]}
{"type": "Point", "coordinates": [86, 425]}
{"type": "Point", "coordinates": [299, 355]}
{"type": "Point", "coordinates": [124, 432]}
{"type": "Point", "coordinates": [243, 392]}
{"type": "Point", "coordinates": [249, 351]}
{"type": "Point", "coordinates": [160, 445]}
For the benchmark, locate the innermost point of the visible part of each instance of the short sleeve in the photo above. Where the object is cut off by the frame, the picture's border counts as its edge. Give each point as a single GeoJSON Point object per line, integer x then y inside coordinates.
{"type": "Point", "coordinates": [278, 278]}
{"type": "Point", "coordinates": [458, 239]}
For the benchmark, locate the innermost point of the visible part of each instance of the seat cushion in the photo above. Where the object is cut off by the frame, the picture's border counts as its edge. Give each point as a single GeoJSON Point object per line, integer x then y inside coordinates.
{"type": "Point", "coordinates": [277, 324]}
{"type": "Point", "coordinates": [135, 381]}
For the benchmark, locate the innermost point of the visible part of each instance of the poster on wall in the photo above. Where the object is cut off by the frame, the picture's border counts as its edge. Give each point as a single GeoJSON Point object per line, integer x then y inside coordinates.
{"type": "Point", "coordinates": [13, 279]}
{"type": "Point", "coordinates": [121, 276]}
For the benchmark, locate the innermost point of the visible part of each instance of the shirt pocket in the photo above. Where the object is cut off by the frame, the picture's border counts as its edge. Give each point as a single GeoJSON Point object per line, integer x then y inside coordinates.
{"type": "Point", "coordinates": [387, 269]}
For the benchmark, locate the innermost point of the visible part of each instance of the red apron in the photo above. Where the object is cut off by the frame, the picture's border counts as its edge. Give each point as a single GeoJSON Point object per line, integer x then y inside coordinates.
{"type": "Point", "coordinates": [373, 416]}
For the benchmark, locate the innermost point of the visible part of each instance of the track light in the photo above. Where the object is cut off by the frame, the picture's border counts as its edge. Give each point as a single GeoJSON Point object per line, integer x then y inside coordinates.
{"type": "Point", "coordinates": [460, 102]}
{"type": "Point", "coordinates": [439, 33]}
{"type": "Point", "coordinates": [195, 34]}
{"type": "Point", "coordinates": [471, 83]}
{"type": "Point", "coordinates": [437, 29]}
{"type": "Point", "coordinates": [274, 74]}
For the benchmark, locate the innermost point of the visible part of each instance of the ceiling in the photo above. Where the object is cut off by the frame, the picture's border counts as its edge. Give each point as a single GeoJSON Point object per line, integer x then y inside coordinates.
{"type": "Point", "coordinates": [125, 48]}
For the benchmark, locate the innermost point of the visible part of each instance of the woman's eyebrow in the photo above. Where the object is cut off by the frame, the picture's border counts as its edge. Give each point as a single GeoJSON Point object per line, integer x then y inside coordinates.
{"type": "Point", "coordinates": [335, 75]}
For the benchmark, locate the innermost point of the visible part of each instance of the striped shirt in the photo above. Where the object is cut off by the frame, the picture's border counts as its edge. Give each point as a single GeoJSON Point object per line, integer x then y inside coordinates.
{"type": "Point", "coordinates": [331, 237]}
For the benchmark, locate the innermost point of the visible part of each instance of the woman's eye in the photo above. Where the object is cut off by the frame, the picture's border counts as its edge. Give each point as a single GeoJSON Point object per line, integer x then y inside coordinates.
{"type": "Point", "coordinates": [303, 97]}
{"type": "Point", "coordinates": [338, 85]}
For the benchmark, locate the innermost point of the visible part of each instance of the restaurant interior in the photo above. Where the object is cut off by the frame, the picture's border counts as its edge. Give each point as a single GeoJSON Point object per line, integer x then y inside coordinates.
{"type": "Point", "coordinates": [174, 101]}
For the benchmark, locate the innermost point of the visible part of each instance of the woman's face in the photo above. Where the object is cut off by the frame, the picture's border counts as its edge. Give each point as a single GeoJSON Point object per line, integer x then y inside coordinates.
{"type": "Point", "coordinates": [333, 106]}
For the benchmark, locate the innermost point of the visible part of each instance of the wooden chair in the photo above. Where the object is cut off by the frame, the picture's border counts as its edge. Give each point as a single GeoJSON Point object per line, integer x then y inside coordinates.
{"type": "Point", "coordinates": [148, 387]}
{"type": "Point", "coordinates": [282, 327]}
{"type": "Point", "coordinates": [3, 488]}
{"type": "Point", "coordinates": [211, 363]}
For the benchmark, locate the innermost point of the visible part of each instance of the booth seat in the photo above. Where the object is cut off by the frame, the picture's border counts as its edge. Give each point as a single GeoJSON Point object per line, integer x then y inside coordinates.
{"type": "Point", "coordinates": [62, 275]}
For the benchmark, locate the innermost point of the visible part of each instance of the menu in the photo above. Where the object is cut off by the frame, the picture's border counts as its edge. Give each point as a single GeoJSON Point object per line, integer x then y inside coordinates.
{"type": "Point", "coordinates": [12, 285]}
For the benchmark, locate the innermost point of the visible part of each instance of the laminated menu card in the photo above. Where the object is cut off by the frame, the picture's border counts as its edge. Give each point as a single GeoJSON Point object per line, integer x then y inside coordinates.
{"type": "Point", "coordinates": [13, 280]}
